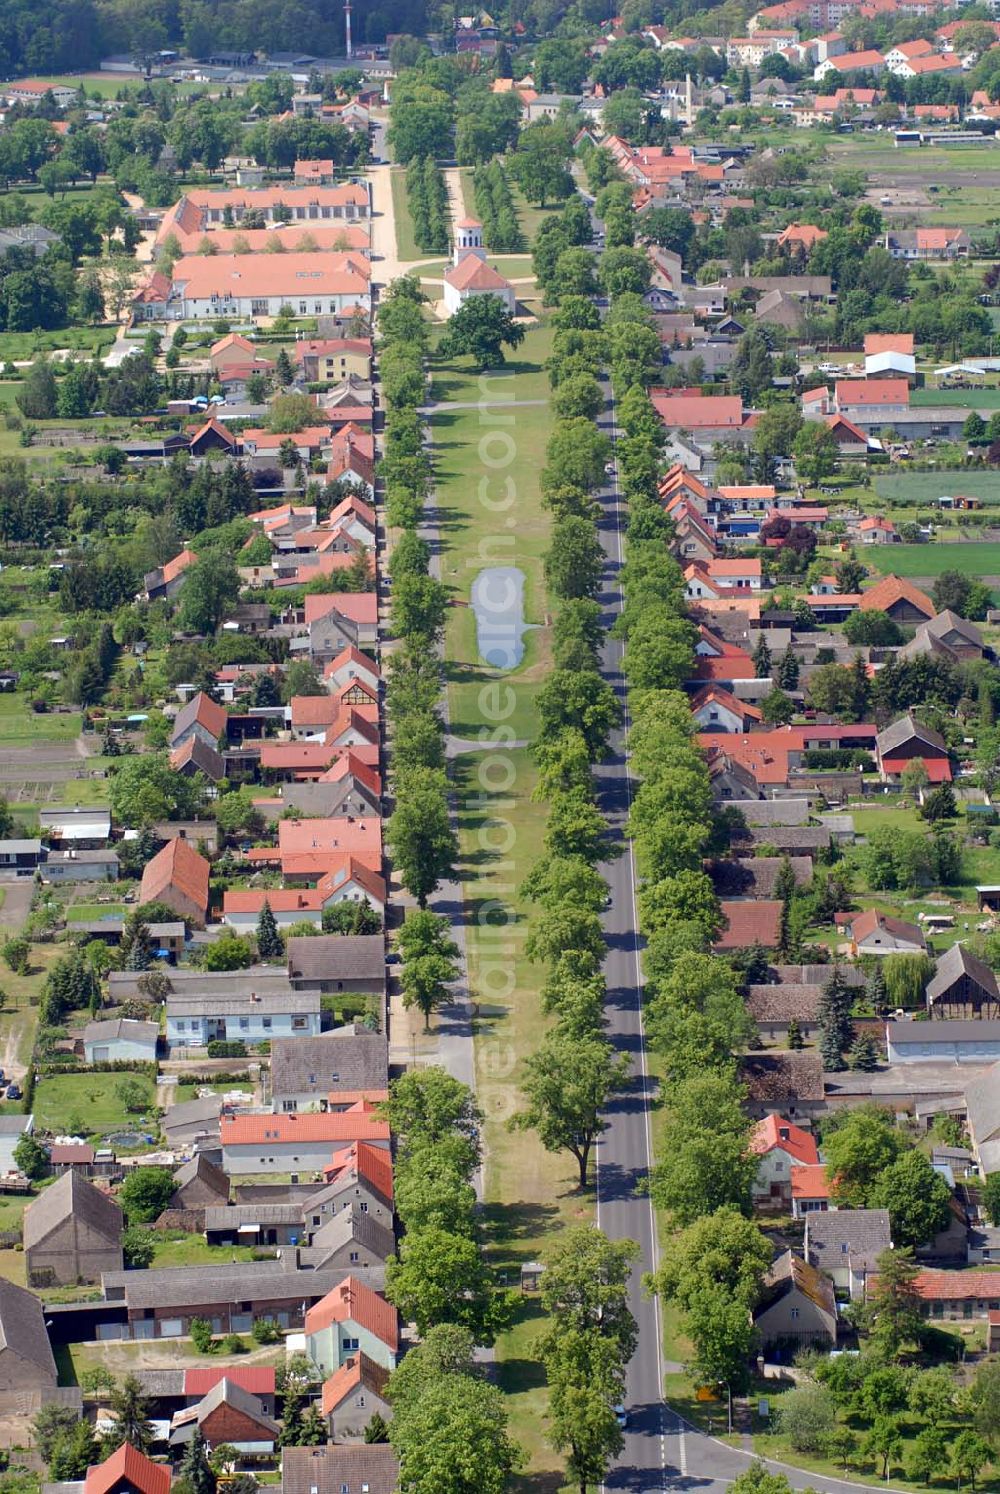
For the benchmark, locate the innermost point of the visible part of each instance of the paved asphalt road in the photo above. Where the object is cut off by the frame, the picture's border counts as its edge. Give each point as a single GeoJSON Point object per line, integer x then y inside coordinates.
{"type": "Point", "coordinates": [661, 1452]}
{"type": "Point", "coordinates": [625, 1149]}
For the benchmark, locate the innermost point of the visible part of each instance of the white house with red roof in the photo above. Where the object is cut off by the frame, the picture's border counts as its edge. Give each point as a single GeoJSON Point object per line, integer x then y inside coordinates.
{"type": "Point", "coordinates": [473, 277]}
{"type": "Point", "coordinates": [874, 529]}
{"type": "Point", "coordinates": [781, 1146]}
{"type": "Point", "coordinates": [870, 401]}
{"type": "Point", "coordinates": [351, 1319]}
{"type": "Point", "coordinates": [716, 709]}
{"type": "Point", "coordinates": [810, 1190]}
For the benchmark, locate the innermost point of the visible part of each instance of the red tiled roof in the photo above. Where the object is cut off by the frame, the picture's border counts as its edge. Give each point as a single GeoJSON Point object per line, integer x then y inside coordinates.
{"type": "Point", "coordinates": [748, 923]}
{"type": "Point", "coordinates": [130, 1464]}
{"type": "Point", "coordinates": [358, 606]}
{"type": "Point", "coordinates": [211, 424]}
{"type": "Point", "coordinates": [872, 919]}
{"type": "Point", "coordinates": [946, 1286]}
{"type": "Point", "coordinates": [201, 276]}
{"type": "Point", "coordinates": [258, 1379]}
{"type": "Point", "coordinates": [179, 564]}
{"type": "Point", "coordinates": [772, 1132]}
{"type": "Point", "coordinates": [873, 392]}
{"type": "Point", "coordinates": [357, 1123]}
{"type": "Point", "coordinates": [365, 1162]}
{"type": "Point", "coordinates": [177, 866]}
{"type": "Point", "coordinates": [810, 1182]}
{"type": "Point", "coordinates": [888, 342]}
{"type": "Point", "coordinates": [892, 589]}
{"type": "Point", "coordinates": [356, 656]}
{"type": "Point", "coordinates": [728, 701]}
{"type": "Point", "coordinates": [280, 900]}
{"type": "Point", "coordinates": [473, 273]}
{"type": "Point", "coordinates": [806, 234]}
{"type": "Point", "coordinates": [209, 714]}
{"type": "Point", "coordinates": [353, 1302]}
{"type": "Point", "coordinates": [357, 1371]}
{"type": "Point", "coordinates": [698, 411]}
{"type": "Point", "coordinates": [938, 769]}
{"type": "Point", "coordinates": [936, 238]}
{"type": "Point", "coordinates": [313, 710]}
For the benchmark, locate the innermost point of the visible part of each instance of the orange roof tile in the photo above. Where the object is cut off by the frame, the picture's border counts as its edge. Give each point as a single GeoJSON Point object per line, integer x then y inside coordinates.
{"type": "Point", "coordinates": [773, 1133]}
{"type": "Point", "coordinates": [892, 589]}
{"type": "Point", "coordinates": [364, 1162]}
{"type": "Point", "coordinates": [873, 392]}
{"type": "Point", "coordinates": [178, 866]}
{"type": "Point", "coordinates": [353, 1302]}
{"type": "Point", "coordinates": [128, 1463]}
{"type": "Point", "coordinates": [810, 1181]}
{"type": "Point", "coordinates": [745, 924]}
{"type": "Point", "coordinates": [357, 1123]}
{"type": "Point", "coordinates": [202, 276]}
{"type": "Point", "coordinates": [473, 273]}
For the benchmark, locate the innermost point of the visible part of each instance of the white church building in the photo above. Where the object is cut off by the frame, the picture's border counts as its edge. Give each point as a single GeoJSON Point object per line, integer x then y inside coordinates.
{"type": "Point", "coordinates": [470, 275]}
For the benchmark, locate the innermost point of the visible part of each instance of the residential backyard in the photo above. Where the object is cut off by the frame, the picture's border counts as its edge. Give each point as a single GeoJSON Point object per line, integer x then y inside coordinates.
{"type": "Point", "coordinates": [91, 1104]}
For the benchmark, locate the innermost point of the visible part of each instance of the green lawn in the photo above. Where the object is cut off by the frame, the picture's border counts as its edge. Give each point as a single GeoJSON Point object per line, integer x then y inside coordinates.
{"type": "Point", "coordinates": [406, 244]}
{"type": "Point", "coordinates": [492, 515]}
{"type": "Point", "coordinates": [20, 724]}
{"type": "Point", "coordinates": [973, 557]}
{"type": "Point", "coordinates": [176, 1249]}
{"type": "Point", "coordinates": [90, 1100]}
{"type": "Point", "coordinates": [927, 487]}
{"type": "Point", "coordinates": [975, 399]}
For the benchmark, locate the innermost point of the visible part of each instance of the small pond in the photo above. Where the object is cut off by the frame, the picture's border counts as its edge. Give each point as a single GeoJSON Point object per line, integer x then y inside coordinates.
{"type": "Point", "coordinates": [497, 599]}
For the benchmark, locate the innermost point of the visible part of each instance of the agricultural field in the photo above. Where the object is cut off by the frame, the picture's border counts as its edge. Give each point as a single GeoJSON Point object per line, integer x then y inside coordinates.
{"type": "Point", "coordinates": [927, 487]}
{"type": "Point", "coordinates": [972, 557]}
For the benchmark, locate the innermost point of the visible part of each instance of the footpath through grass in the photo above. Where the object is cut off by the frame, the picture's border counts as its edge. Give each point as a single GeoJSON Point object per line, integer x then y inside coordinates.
{"type": "Point", "coordinates": [488, 458]}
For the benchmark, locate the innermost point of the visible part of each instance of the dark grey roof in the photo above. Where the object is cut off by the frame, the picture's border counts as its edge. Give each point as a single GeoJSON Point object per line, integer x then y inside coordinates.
{"type": "Point", "coordinates": [907, 729]}
{"type": "Point", "coordinates": [231, 1216]}
{"type": "Point", "coordinates": [191, 1286]}
{"type": "Point", "coordinates": [14, 1125]}
{"type": "Point", "coordinates": [303, 1065]}
{"type": "Point", "coordinates": [818, 975]}
{"type": "Point", "coordinates": [337, 957]}
{"type": "Point", "coordinates": [155, 1383]}
{"type": "Point", "coordinates": [202, 1169]}
{"type": "Point", "coordinates": [121, 1027]}
{"type": "Point", "coordinates": [227, 1392]}
{"type": "Point", "coordinates": [783, 1003]}
{"type": "Point", "coordinates": [21, 847]}
{"type": "Point", "coordinates": [208, 760]}
{"type": "Point", "coordinates": [352, 1225]}
{"type": "Point", "coordinates": [331, 1469]}
{"type": "Point", "coordinates": [22, 1327]}
{"type": "Point", "coordinates": [194, 1112]}
{"type": "Point", "coordinates": [117, 926]}
{"type": "Point", "coordinates": [864, 1232]}
{"type": "Point", "coordinates": [755, 876]}
{"type": "Point", "coordinates": [776, 1078]}
{"type": "Point", "coordinates": [950, 622]}
{"type": "Point", "coordinates": [804, 837]}
{"type": "Point", "coordinates": [952, 1031]}
{"type": "Point", "coordinates": [952, 965]}
{"type": "Point", "coordinates": [770, 811]}
{"type": "Point", "coordinates": [72, 1197]}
